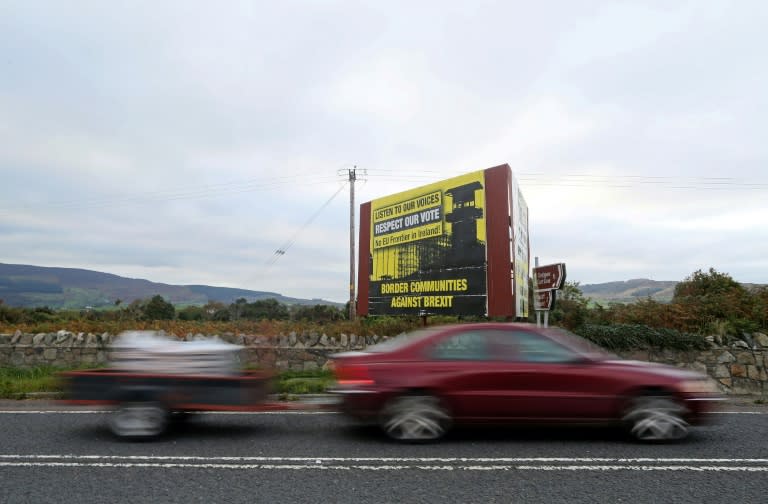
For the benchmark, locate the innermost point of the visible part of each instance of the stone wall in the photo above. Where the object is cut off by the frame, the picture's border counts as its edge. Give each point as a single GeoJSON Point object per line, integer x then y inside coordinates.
{"type": "Point", "coordinates": [738, 368]}
{"type": "Point", "coordinates": [296, 352]}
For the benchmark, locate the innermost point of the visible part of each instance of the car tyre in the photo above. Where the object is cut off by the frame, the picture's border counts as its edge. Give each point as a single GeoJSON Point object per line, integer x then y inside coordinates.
{"type": "Point", "coordinates": [139, 420]}
{"type": "Point", "coordinates": [656, 418]}
{"type": "Point", "coordinates": [415, 418]}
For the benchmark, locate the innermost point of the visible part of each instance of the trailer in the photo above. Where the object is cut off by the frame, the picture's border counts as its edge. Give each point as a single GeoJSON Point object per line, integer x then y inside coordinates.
{"type": "Point", "coordinates": [154, 380]}
{"type": "Point", "coordinates": [145, 404]}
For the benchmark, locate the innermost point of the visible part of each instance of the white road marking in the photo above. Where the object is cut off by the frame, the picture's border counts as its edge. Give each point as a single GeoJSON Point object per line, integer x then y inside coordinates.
{"type": "Point", "coordinates": [738, 413]}
{"type": "Point", "coordinates": [667, 460]}
{"type": "Point", "coordinates": [389, 464]}
{"type": "Point", "coordinates": [390, 468]}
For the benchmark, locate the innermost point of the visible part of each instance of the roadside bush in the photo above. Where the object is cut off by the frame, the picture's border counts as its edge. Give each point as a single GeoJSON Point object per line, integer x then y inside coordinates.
{"type": "Point", "coordinates": [637, 336]}
{"type": "Point", "coordinates": [709, 298]}
{"type": "Point", "coordinates": [570, 310]}
{"type": "Point", "coordinates": [388, 326]}
{"type": "Point", "coordinates": [317, 313]}
{"type": "Point", "coordinates": [10, 315]}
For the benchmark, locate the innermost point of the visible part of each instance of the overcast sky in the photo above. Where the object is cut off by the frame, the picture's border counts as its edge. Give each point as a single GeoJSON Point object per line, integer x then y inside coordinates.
{"type": "Point", "coordinates": [184, 142]}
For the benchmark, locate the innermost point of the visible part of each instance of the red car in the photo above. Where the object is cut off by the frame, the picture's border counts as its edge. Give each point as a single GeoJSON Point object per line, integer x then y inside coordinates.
{"type": "Point", "coordinates": [416, 385]}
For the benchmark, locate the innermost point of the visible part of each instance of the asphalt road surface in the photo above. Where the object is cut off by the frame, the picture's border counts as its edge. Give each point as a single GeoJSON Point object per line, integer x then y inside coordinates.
{"type": "Point", "coordinates": [52, 453]}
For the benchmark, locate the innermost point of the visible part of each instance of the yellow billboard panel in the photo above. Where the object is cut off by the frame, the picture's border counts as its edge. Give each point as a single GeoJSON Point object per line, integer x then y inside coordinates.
{"type": "Point", "coordinates": [427, 248]}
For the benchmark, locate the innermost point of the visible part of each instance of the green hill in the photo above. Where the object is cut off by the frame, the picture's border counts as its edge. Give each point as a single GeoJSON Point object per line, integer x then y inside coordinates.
{"type": "Point", "coordinates": [30, 286]}
{"type": "Point", "coordinates": [629, 291]}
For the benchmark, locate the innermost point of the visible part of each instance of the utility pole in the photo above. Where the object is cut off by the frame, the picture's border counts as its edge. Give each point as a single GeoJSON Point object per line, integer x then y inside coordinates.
{"type": "Point", "coordinates": [352, 307]}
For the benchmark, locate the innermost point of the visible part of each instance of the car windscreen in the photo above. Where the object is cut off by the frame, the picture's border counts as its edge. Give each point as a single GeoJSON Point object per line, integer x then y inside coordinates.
{"type": "Point", "coordinates": [401, 340]}
{"type": "Point", "coordinates": [576, 342]}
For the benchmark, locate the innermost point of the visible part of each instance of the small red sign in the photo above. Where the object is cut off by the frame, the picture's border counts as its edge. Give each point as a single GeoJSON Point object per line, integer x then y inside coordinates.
{"type": "Point", "coordinates": [551, 276]}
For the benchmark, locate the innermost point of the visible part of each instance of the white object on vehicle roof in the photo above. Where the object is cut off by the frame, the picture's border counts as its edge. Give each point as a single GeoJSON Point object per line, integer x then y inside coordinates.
{"type": "Point", "coordinates": [152, 352]}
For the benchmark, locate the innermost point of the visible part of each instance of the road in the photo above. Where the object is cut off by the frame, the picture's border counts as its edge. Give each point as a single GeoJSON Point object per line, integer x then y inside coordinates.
{"type": "Point", "coordinates": [51, 453]}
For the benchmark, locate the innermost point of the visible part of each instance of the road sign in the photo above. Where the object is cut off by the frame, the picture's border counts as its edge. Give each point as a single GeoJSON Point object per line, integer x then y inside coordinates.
{"type": "Point", "coordinates": [551, 276]}
{"type": "Point", "coordinates": [544, 299]}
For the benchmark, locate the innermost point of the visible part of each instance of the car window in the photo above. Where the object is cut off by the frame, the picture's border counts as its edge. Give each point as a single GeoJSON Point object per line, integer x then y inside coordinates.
{"type": "Point", "coordinates": [504, 346]}
{"type": "Point", "coordinates": [578, 344]}
{"type": "Point", "coordinates": [469, 345]}
{"type": "Point", "coordinates": [535, 348]}
{"type": "Point", "coordinates": [402, 340]}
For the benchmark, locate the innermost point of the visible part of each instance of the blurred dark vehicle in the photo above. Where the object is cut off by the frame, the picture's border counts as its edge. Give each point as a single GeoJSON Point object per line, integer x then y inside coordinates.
{"type": "Point", "coordinates": [154, 379]}
{"type": "Point", "coordinates": [145, 404]}
{"type": "Point", "coordinates": [416, 385]}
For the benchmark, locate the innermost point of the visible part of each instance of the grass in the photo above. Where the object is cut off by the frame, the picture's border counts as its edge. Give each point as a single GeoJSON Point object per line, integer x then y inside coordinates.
{"type": "Point", "coordinates": [20, 383]}
{"type": "Point", "coordinates": [303, 382]}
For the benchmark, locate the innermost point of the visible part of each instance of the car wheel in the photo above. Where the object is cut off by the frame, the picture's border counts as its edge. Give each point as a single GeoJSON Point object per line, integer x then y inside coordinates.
{"type": "Point", "coordinates": [139, 420]}
{"type": "Point", "coordinates": [415, 418]}
{"type": "Point", "coordinates": [652, 418]}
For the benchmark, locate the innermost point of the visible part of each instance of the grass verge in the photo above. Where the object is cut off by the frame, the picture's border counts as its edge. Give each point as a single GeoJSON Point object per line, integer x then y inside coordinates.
{"type": "Point", "coordinates": [19, 383]}
{"type": "Point", "coordinates": [291, 383]}
{"type": "Point", "coordinates": [23, 383]}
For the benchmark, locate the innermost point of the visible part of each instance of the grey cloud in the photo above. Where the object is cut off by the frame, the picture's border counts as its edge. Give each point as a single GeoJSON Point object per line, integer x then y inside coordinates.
{"type": "Point", "coordinates": [189, 140]}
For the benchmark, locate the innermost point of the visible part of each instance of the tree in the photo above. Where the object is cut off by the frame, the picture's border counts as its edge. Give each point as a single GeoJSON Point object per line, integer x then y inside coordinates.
{"type": "Point", "coordinates": [135, 310]}
{"type": "Point", "coordinates": [318, 313]}
{"type": "Point", "coordinates": [269, 309]}
{"type": "Point", "coordinates": [570, 308]}
{"type": "Point", "coordinates": [236, 308]}
{"type": "Point", "coordinates": [159, 309]}
{"type": "Point", "coordinates": [715, 300]}
{"type": "Point", "coordinates": [192, 313]}
{"type": "Point", "coordinates": [761, 306]}
{"type": "Point", "coordinates": [214, 310]}
{"type": "Point", "coordinates": [710, 285]}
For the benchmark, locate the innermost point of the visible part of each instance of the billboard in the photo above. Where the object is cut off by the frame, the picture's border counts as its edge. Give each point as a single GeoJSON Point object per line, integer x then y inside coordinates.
{"type": "Point", "coordinates": [520, 247]}
{"type": "Point", "coordinates": [442, 248]}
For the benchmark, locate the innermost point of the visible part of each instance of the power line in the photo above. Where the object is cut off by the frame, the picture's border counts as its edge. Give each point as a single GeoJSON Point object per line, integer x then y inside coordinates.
{"type": "Point", "coordinates": [610, 181]}
{"type": "Point", "coordinates": [285, 246]}
{"type": "Point", "coordinates": [199, 192]}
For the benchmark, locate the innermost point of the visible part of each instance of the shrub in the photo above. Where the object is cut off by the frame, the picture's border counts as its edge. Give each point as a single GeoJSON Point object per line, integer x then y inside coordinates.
{"type": "Point", "coordinates": [637, 336]}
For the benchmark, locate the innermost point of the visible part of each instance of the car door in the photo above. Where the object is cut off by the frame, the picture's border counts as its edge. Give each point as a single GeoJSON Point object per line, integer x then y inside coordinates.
{"type": "Point", "coordinates": [465, 369]}
{"type": "Point", "coordinates": [543, 379]}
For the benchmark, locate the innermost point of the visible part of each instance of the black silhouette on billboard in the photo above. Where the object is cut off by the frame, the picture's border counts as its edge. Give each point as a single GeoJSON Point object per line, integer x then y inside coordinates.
{"type": "Point", "coordinates": [441, 274]}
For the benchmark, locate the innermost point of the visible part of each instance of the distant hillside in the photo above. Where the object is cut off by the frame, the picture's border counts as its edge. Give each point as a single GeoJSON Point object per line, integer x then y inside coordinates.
{"type": "Point", "coordinates": [30, 286]}
{"type": "Point", "coordinates": [629, 291]}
